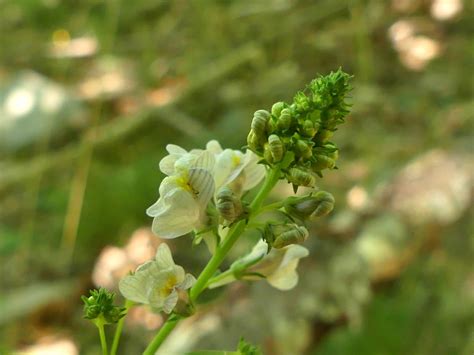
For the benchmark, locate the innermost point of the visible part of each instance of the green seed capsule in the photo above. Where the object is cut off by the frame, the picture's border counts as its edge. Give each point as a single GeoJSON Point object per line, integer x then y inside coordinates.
{"type": "Point", "coordinates": [301, 177]}
{"type": "Point", "coordinates": [284, 120]}
{"type": "Point", "coordinates": [277, 107]}
{"type": "Point", "coordinates": [276, 148]}
{"type": "Point", "coordinates": [228, 205]}
{"type": "Point", "coordinates": [259, 123]}
{"type": "Point", "coordinates": [303, 150]}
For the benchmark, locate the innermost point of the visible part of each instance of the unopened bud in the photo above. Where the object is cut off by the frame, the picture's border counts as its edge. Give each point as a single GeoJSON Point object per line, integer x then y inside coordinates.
{"type": "Point", "coordinates": [253, 141]}
{"type": "Point", "coordinates": [275, 146]}
{"type": "Point", "coordinates": [259, 123]}
{"type": "Point", "coordinates": [303, 150]}
{"type": "Point", "coordinates": [99, 307]}
{"type": "Point", "coordinates": [284, 120]}
{"type": "Point", "coordinates": [228, 204]}
{"type": "Point", "coordinates": [308, 129]}
{"type": "Point", "coordinates": [301, 177]}
{"type": "Point", "coordinates": [282, 235]}
{"type": "Point", "coordinates": [307, 207]}
{"type": "Point", "coordinates": [277, 107]}
{"type": "Point", "coordinates": [322, 162]}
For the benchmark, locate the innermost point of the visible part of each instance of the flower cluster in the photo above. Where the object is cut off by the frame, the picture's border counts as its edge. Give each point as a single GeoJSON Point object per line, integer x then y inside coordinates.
{"type": "Point", "coordinates": [278, 266]}
{"type": "Point", "coordinates": [157, 282]}
{"type": "Point", "coordinates": [194, 179]}
{"type": "Point", "coordinates": [296, 136]}
{"type": "Point", "coordinates": [99, 306]}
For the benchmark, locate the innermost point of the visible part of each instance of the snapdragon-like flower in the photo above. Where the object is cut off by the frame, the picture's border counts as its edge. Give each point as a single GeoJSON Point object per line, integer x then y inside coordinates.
{"type": "Point", "coordinates": [184, 195]}
{"type": "Point", "coordinates": [239, 170]}
{"type": "Point", "coordinates": [157, 282]}
{"type": "Point", "coordinates": [278, 267]}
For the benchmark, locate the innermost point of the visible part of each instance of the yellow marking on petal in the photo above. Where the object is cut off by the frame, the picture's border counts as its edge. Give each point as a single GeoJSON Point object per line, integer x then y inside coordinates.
{"type": "Point", "coordinates": [236, 159]}
{"type": "Point", "coordinates": [169, 286]}
{"type": "Point", "coordinates": [182, 182]}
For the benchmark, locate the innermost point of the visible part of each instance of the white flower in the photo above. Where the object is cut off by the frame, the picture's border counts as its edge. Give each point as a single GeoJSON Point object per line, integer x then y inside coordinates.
{"type": "Point", "coordinates": [157, 282]}
{"type": "Point", "coordinates": [278, 267]}
{"type": "Point", "coordinates": [235, 168]}
{"type": "Point", "coordinates": [178, 159]}
{"type": "Point", "coordinates": [185, 194]}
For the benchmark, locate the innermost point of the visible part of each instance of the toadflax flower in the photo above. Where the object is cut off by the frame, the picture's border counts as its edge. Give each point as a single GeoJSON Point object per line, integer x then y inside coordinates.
{"type": "Point", "coordinates": [184, 194]}
{"type": "Point", "coordinates": [157, 282]}
{"type": "Point", "coordinates": [278, 267]}
{"type": "Point", "coordinates": [234, 168]}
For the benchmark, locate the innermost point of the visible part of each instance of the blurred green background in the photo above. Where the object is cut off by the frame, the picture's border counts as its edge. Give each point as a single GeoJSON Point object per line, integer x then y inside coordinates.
{"type": "Point", "coordinates": [91, 92]}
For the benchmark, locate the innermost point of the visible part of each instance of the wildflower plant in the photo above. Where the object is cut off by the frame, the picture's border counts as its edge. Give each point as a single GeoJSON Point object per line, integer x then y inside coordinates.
{"type": "Point", "coordinates": [203, 197]}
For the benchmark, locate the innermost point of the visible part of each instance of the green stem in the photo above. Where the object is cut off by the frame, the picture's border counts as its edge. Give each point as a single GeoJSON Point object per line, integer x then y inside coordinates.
{"type": "Point", "coordinates": [270, 182]}
{"type": "Point", "coordinates": [163, 333]}
{"type": "Point", "coordinates": [103, 340]}
{"type": "Point", "coordinates": [118, 330]}
{"type": "Point", "coordinates": [271, 206]}
{"type": "Point", "coordinates": [213, 264]}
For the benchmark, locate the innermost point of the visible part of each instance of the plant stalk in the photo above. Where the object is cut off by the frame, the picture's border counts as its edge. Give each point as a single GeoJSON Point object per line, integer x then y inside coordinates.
{"type": "Point", "coordinates": [118, 330]}
{"type": "Point", "coordinates": [209, 271]}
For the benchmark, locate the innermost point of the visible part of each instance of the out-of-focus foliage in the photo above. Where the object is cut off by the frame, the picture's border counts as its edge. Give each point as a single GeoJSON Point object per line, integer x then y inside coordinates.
{"type": "Point", "coordinates": [91, 93]}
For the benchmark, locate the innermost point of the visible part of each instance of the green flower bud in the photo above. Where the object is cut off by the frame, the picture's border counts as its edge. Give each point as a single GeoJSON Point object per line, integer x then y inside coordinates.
{"type": "Point", "coordinates": [259, 123]}
{"type": "Point", "coordinates": [303, 150]}
{"type": "Point", "coordinates": [277, 107]}
{"type": "Point", "coordinates": [323, 135]}
{"type": "Point", "coordinates": [267, 154]}
{"type": "Point", "coordinates": [315, 116]}
{"type": "Point", "coordinates": [325, 204]}
{"type": "Point", "coordinates": [228, 204]}
{"type": "Point", "coordinates": [307, 207]}
{"type": "Point", "coordinates": [282, 235]}
{"type": "Point", "coordinates": [284, 120]}
{"type": "Point", "coordinates": [300, 177]}
{"type": "Point", "coordinates": [322, 162]}
{"type": "Point", "coordinates": [253, 141]}
{"type": "Point", "coordinates": [308, 129]}
{"type": "Point", "coordinates": [275, 146]}
{"type": "Point", "coordinates": [301, 102]}
{"type": "Point", "coordinates": [99, 305]}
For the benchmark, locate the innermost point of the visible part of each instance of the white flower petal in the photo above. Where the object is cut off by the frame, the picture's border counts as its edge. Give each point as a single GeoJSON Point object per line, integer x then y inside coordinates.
{"type": "Point", "coordinates": [294, 252]}
{"type": "Point", "coordinates": [188, 282]}
{"type": "Point", "coordinates": [180, 217]}
{"type": "Point", "coordinates": [170, 302]}
{"type": "Point", "coordinates": [175, 149]}
{"type": "Point", "coordinates": [229, 165]}
{"type": "Point", "coordinates": [258, 251]}
{"type": "Point", "coordinates": [214, 147]}
{"type": "Point", "coordinates": [163, 257]}
{"type": "Point", "coordinates": [202, 183]}
{"type": "Point", "coordinates": [254, 173]}
{"type": "Point", "coordinates": [167, 164]}
{"type": "Point", "coordinates": [285, 278]}
{"type": "Point", "coordinates": [156, 208]}
{"type": "Point", "coordinates": [205, 160]}
{"type": "Point", "coordinates": [168, 184]}
{"type": "Point", "coordinates": [134, 287]}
